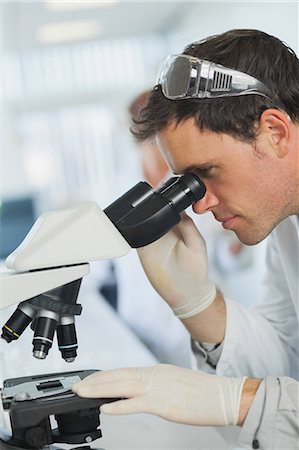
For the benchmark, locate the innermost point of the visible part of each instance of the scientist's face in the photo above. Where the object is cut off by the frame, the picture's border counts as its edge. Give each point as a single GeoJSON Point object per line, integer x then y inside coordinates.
{"type": "Point", "coordinates": [248, 191]}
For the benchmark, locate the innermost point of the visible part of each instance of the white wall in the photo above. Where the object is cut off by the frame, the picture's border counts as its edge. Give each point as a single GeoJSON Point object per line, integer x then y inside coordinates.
{"type": "Point", "coordinates": [207, 18]}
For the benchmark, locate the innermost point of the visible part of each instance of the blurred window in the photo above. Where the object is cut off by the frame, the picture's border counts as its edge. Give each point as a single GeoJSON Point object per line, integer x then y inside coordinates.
{"type": "Point", "coordinates": [16, 218]}
{"type": "Point", "coordinates": [68, 109]}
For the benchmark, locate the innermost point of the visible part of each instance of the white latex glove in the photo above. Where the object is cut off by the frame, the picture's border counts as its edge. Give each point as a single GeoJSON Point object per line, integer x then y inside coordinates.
{"type": "Point", "coordinates": [174, 393]}
{"type": "Point", "coordinates": [177, 267]}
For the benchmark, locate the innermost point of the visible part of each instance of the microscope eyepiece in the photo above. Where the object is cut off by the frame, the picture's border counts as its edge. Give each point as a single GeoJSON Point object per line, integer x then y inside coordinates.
{"type": "Point", "coordinates": [182, 191]}
{"type": "Point", "coordinates": [143, 215]}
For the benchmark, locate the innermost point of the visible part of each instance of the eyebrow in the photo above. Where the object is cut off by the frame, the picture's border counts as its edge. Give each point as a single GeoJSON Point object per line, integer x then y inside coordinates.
{"type": "Point", "coordinates": [201, 168]}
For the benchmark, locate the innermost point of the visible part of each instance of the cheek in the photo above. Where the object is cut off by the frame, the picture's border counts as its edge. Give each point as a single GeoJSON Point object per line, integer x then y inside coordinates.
{"type": "Point", "coordinates": [265, 191]}
{"type": "Point", "coordinates": [225, 187]}
{"type": "Point", "coordinates": [237, 190]}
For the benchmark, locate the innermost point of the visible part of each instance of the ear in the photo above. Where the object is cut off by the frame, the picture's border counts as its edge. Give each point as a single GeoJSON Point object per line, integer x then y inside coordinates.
{"type": "Point", "coordinates": [277, 126]}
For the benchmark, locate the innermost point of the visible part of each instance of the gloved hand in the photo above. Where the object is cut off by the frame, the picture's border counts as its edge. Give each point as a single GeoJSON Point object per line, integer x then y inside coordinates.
{"type": "Point", "coordinates": [174, 393]}
{"type": "Point", "coordinates": [177, 267]}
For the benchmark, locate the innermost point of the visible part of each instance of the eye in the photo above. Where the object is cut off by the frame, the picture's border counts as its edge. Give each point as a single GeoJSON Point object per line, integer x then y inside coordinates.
{"type": "Point", "coordinates": [206, 172]}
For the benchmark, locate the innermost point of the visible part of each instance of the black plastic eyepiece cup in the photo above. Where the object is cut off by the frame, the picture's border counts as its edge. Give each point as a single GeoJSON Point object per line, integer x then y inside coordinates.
{"type": "Point", "coordinates": [182, 192]}
{"type": "Point", "coordinates": [194, 185]}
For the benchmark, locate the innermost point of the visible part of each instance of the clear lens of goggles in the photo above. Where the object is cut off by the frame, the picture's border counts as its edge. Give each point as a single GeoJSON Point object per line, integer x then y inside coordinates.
{"type": "Point", "coordinates": [184, 76]}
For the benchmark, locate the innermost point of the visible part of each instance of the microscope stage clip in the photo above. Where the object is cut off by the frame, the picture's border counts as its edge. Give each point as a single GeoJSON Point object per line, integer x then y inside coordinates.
{"type": "Point", "coordinates": [46, 389]}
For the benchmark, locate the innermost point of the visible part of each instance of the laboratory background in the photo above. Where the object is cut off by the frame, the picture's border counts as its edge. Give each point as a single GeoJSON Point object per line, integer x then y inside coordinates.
{"type": "Point", "coordinates": [74, 74]}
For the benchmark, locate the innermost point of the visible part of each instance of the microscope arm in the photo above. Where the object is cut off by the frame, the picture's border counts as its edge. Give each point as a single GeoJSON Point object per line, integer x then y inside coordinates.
{"type": "Point", "coordinates": [46, 271]}
{"type": "Point", "coordinates": [57, 250]}
{"type": "Point", "coordinates": [17, 286]}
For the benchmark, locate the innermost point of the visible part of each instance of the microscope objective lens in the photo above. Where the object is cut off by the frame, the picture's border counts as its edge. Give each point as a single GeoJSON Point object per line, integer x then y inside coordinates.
{"type": "Point", "coordinates": [67, 340]}
{"type": "Point", "coordinates": [45, 326]}
{"type": "Point", "coordinates": [16, 324]}
{"type": "Point", "coordinates": [39, 354]}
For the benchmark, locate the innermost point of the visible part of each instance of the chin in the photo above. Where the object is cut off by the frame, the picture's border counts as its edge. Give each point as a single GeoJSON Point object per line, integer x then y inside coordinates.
{"type": "Point", "coordinates": [251, 241]}
{"type": "Point", "coordinates": [252, 237]}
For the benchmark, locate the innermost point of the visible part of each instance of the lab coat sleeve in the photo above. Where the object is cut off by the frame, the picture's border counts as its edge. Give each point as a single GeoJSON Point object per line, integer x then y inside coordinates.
{"type": "Point", "coordinates": [252, 347]}
{"type": "Point", "coordinates": [272, 422]}
{"type": "Point", "coordinates": [263, 340]}
{"type": "Point", "coordinates": [205, 356]}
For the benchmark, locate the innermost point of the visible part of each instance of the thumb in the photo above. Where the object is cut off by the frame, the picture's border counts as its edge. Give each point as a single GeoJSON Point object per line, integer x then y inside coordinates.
{"type": "Point", "coordinates": [190, 235]}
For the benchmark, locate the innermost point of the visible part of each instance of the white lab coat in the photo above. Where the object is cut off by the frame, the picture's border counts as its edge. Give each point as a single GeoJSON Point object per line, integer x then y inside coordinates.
{"type": "Point", "coordinates": [265, 339]}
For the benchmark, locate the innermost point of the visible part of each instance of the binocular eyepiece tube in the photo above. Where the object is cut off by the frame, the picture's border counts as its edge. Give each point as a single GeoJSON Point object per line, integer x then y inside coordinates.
{"type": "Point", "coordinates": [143, 215]}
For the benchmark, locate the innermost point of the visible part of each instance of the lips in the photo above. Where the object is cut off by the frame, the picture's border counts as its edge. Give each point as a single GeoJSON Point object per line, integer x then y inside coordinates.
{"type": "Point", "coordinates": [227, 222]}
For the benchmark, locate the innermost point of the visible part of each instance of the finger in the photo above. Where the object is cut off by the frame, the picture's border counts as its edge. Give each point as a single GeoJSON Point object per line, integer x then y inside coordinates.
{"type": "Point", "coordinates": [131, 373]}
{"type": "Point", "coordinates": [189, 233]}
{"type": "Point", "coordinates": [165, 241]}
{"type": "Point", "coordinates": [129, 406]}
{"type": "Point", "coordinates": [127, 388]}
{"type": "Point", "coordinates": [187, 226]}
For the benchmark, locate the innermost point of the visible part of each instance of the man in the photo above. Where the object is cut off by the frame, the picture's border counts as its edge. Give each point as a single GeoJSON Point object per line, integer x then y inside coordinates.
{"type": "Point", "coordinates": [239, 131]}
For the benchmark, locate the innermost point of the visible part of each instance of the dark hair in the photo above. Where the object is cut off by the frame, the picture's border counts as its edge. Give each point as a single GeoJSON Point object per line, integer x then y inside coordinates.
{"type": "Point", "coordinates": [251, 51]}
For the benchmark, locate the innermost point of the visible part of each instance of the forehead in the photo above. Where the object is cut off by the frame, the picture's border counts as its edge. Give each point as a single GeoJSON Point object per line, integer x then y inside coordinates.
{"type": "Point", "coordinates": [185, 146]}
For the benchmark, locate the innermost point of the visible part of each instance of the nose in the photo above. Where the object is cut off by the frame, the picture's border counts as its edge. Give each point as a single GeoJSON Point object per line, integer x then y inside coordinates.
{"type": "Point", "coordinates": [207, 203]}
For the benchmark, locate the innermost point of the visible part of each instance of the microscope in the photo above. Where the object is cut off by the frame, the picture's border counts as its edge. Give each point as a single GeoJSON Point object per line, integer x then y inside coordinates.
{"type": "Point", "coordinates": [45, 273]}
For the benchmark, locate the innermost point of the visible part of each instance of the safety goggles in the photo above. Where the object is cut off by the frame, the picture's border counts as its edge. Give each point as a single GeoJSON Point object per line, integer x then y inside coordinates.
{"type": "Point", "coordinates": [184, 76]}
